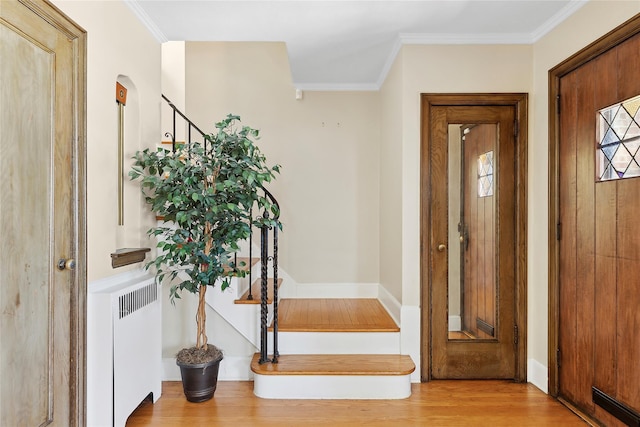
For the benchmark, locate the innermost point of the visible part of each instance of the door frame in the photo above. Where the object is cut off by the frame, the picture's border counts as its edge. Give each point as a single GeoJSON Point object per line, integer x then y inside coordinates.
{"type": "Point", "coordinates": [615, 37]}
{"type": "Point", "coordinates": [520, 103]}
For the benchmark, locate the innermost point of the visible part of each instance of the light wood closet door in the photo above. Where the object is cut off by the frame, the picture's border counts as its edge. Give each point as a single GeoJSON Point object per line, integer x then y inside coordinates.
{"type": "Point", "coordinates": [41, 217]}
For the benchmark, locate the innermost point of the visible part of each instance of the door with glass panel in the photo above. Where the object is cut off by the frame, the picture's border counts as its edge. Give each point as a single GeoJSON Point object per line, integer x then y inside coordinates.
{"type": "Point", "coordinates": [471, 245]}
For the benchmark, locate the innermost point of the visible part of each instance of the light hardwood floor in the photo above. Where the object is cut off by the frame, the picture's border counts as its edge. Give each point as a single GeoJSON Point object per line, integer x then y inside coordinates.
{"type": "Point", "coordinates": [437, 403]}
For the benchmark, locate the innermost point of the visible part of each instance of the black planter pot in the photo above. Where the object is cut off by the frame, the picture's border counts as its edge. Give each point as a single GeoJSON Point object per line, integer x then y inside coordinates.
{"type": "Point", "coordinates": [199, 381]}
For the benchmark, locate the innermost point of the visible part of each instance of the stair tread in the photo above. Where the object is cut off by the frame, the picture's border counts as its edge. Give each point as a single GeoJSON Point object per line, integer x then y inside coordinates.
{"type": "Point", "coordinates": [334, 315]}
{"type": "Point", "coordinates": [255, 291]}
{"type": "Point", "coordinates": [336, 364]}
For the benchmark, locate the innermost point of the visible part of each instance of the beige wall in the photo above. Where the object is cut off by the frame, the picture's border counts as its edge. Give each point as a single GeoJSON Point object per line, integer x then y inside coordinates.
{"type": "Point", "coordinates": [391, 181]}
{"type": "Point", "coordinates": [327, 144]}
{"type": "Point", "coordinates": [119, 47]}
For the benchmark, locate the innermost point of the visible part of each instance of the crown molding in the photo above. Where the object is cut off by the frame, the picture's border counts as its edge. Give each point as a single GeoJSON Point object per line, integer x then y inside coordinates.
{"type": "Point", "coordinates": [457, 38]}
{"type": "Point", "coordinates": [146, 20]}
{"type": "Point", "coordinates": [556, 19]}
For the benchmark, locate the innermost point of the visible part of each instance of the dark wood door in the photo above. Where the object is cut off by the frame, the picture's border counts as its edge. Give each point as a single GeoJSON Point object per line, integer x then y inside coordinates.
{"type": "Point", "coordinates": [485, 356]}
{"type": "Point", "coordinates": [598, 232]}
{"type": "Point", "coordinates": [41, 217]}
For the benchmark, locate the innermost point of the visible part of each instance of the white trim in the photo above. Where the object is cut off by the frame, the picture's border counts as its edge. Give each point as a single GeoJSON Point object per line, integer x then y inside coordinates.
{"type": "Point", "coordinates": [124, 279]}
{"type": "Point", "coordinates": [538, 375]}
{"type": "Point", "coordinates": [456, 38]}
{"type": "Point", "coordinates": [332, 386]}
{"type": "Point", "coordinates": [556, 19]}
{"type": "Point", "coordinates": [232, 368]}
{"type": "Point", "coordinates": [390, 303]}
{"type": "Point", "coordinates": [333, 290]}
{"type": "Point", "coordinates": [391, 59]}
{"type": "Point", "coordinates": [146, 20]}
{"type": "Point", "coordinates": [410, 338]}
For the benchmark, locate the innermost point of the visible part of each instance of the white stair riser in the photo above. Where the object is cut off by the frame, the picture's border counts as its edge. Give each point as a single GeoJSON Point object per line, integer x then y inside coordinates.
{"type": "Point", "coordinates": [336, 342]}
{"type": "Point", "coordinates": [332, 386]}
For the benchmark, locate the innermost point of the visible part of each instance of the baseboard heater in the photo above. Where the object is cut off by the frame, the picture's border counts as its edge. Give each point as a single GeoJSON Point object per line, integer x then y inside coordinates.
{"type": "Point", "coordinates": [124, 346]}
{"type": "Point", "coordinates": [615, 408]}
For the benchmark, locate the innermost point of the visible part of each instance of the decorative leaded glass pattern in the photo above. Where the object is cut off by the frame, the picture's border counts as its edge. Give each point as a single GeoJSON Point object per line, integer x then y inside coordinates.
{"type": "Point", "coordinates": [618, 141]}
{"type": "Point", "coordinates": [485, 174]}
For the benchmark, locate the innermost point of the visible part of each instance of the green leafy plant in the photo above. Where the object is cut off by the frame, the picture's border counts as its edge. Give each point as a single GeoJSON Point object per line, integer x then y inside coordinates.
{"type": "Point", "coordinates": [206, 194]}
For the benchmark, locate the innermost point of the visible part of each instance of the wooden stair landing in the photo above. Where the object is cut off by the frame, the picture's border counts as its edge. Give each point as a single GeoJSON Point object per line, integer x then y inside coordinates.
{"type": "Point", "coordinates": [336, 364]}
{"type": "Point", "coordinates": [334, 315]}
{"type": "Point", "coordinates": [255, 292]}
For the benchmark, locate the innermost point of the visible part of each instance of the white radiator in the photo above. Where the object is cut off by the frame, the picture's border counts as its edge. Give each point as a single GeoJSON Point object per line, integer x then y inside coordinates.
{"type": "Point", "coordinates": [124, 346]}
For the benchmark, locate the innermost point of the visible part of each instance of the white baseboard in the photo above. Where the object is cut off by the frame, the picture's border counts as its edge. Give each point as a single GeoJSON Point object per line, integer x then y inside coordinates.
{"type": "Point", "coordinates": [232, 368]}
{"type": "Point", "coordinates": [389, 302]}
{"type": "Point", "coordinates": [538, 375]}
{"type": "Point", "coordinates": [410, 337]}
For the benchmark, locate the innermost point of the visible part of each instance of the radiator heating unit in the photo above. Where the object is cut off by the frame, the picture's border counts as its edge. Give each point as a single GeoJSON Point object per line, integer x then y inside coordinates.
{"type": "Point", "coordinates": [124, 346]}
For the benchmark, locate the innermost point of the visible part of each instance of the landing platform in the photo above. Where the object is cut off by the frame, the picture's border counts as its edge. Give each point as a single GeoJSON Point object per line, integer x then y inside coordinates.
{"type": "Point", "coordinates": [334, 315]}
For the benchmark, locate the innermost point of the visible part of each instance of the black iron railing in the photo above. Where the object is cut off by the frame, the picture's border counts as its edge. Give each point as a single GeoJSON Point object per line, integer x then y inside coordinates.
{"type": "Point", "coordinates": [264, 282]}
{"type": "Point", "coordinates": [266, 256]}
{"type": "Point", "coordinates": [190, 126]}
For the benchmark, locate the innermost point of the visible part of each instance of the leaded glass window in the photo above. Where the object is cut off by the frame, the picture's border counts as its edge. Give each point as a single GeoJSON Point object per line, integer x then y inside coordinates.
{"type": "Point", "coordinates": [485, 174]}
{"type": "Point", "coordinates": [618, 141]}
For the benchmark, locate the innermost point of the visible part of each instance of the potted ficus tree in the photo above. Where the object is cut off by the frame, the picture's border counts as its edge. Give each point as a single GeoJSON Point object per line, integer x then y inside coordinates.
{"type": "Point", "coordinates": [206, 193]}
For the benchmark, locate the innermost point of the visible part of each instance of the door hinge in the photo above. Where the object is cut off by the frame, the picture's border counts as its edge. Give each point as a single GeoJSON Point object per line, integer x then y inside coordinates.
{"type": "Point", "coordinates": [516, 128]}
{"type": "Point", "coordinates": [558, 354]}
{"type": "Point", "coordinates": [515, 334]}
{"type": "Point", "coordinates": [558, 104]}
{"type": "Point", "coordinates": [558, 231]}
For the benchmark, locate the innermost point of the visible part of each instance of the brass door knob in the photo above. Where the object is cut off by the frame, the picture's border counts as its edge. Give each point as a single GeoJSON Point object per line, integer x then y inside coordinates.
{"type": "Point", "coordinates": [66, 264]}
{"type": "Point", "coordinates": [441, 247]}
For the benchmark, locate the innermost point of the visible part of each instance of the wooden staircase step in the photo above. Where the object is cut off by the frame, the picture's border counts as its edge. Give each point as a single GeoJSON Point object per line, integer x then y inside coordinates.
{"type": "Point", "coordinates": [334, 376]}
{"type": "Point", "coordinates": [336, 364]}
{"type": "Point", "coordinates": [334, 315]}
{"type": "Point", "coordinates": [255, 291]}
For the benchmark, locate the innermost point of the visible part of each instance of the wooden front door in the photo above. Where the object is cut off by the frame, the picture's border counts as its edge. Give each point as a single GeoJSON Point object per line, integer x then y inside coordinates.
{"type": "Point", "coordinates": [42, 285]}
{"type": "Point", "coordinates": [598, 234]}
{"type": "Point", "coordinates": [489, 242]}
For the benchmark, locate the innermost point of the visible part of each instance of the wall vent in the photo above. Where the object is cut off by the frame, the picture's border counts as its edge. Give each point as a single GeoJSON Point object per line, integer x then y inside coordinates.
{"type": "Point", "coordinates": [133, 301]}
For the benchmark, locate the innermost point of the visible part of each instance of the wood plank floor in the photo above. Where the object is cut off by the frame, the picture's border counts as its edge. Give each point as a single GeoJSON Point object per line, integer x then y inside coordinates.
{"type": "Point", "coordinates": [437, 403]}
{"type": "Point", "coordinates": [334, 315]}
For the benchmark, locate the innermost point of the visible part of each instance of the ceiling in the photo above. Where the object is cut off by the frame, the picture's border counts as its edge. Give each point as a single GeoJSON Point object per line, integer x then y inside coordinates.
{"type": "Point", "coordinates": [343, 44]}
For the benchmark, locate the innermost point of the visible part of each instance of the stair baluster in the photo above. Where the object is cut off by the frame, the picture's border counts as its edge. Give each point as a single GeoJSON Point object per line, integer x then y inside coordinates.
{"type": "Point", "coordinates": [264, 259]}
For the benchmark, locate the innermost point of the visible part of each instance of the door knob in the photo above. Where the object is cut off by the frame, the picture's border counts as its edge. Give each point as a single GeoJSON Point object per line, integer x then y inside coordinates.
{"type": "Point", "coordinates": [441, 247]}
{"type": "Point", "coordinates": [66, 264]}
